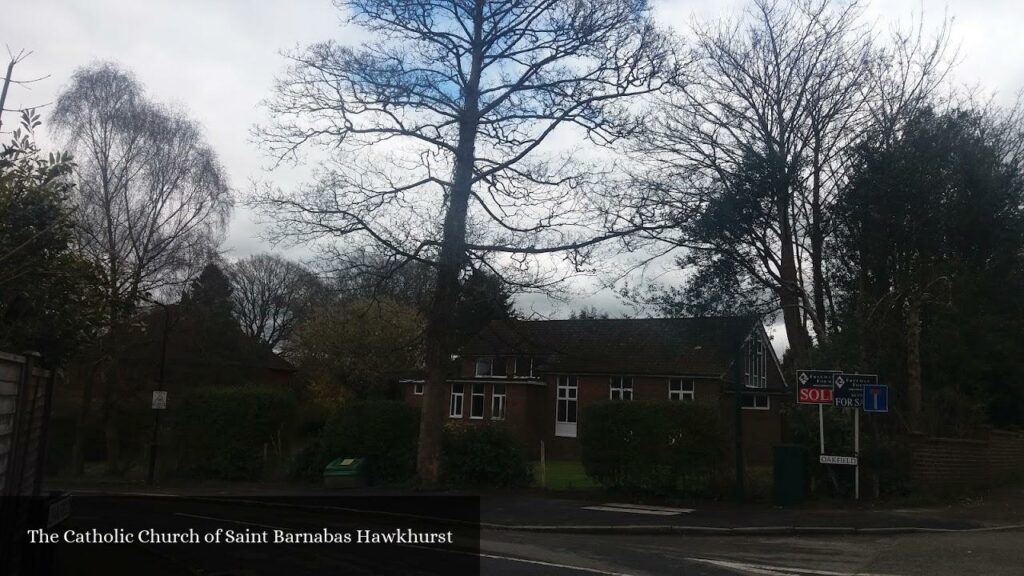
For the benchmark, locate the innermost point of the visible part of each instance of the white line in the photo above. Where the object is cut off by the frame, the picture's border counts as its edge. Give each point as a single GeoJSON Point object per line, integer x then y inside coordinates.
{"type": "Point", "coordinates": [631, 510]}
{"type": "Point", "coordinates": [768, 569]}
{"type": "Point", "coordinates": [644, 507]}
{"type": "Point", "coordinates": [230, 521]}
{"type": "Point", "coordinates": [522, 560]}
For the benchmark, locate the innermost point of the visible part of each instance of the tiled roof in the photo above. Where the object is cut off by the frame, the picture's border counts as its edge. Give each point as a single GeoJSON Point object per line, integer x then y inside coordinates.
{"type": "Point", "coordinates": [663, 346]}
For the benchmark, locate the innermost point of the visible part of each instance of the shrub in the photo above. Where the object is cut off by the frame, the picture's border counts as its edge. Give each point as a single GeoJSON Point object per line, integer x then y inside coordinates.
{"type": "Point", "coordinates": [483, 455]}
{"type": "Point", "coordinates": [650, 446]}
{"type": "Point", "coordinates": [385, 432]}
{"type": "Point", "coordinates": [221, 432]}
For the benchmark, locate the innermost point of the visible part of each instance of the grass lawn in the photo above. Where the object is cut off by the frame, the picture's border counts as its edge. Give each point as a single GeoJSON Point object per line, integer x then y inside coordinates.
{"type": "Point", "coordinates": [564, 475]}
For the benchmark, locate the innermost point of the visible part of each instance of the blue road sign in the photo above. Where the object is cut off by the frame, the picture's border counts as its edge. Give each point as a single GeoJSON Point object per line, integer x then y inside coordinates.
{"type": "Point", "coordinates": [876, 398]}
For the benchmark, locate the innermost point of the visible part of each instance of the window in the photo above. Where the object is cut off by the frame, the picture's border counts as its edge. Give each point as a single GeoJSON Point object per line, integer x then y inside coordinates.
{"type": "Point", "coordinates": [620, 388]}
{"type": "Point", "coordinates": [488, 367]}
{"type": "Point", "coordinates": [484, 367]}
{"type": "Point", "coordinates": [476, 402]}
{"type": "Point", "coordinates": [756, 402]}
{"type": "Point", "coordinates": [417, 388]}
{"type": "Point", "coordinates": [756, 369]}
{"type": "Point", "coordinates": [679, 389]}
{"type": "Point", "coordinates": [523, 367]}
{"type": "Point", "coordinates": [455, 405]}
{"type": "Point", "coordinates": [498, 402]}
{"type": "Point", "coordinates": [565, 409]}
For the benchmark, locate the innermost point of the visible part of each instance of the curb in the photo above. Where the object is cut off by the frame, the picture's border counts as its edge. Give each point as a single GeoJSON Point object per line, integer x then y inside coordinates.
{"type": "Point", "coordinates": [625, 529]}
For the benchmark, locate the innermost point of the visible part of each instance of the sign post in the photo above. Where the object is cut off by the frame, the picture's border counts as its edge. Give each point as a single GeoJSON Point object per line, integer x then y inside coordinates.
{"type": "Point", "coordinates": [816, 387]}
{"type": "Point", "coordinates": [834, 388]}
{"type": "Point", "coordinates": [849, 393]}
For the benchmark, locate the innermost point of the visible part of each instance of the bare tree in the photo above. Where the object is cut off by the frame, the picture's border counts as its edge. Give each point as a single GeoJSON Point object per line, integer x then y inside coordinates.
{"type": "Point", "coordinates": [272, 295]}
{"type": "Point", "coordinates": [450, 120]}
{"type": "Point", "coordinates": [749, 151]}
{"type": "Point", "coordinates": [152, 199]}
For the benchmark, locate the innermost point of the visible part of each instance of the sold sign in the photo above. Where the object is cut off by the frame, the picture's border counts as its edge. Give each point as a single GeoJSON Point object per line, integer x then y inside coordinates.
{"type": "Point", "coordinates": [814, 386]}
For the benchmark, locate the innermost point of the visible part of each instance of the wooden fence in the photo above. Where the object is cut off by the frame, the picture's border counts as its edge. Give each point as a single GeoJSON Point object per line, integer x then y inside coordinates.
{"type": "Point", "coordinates": [26, 393]}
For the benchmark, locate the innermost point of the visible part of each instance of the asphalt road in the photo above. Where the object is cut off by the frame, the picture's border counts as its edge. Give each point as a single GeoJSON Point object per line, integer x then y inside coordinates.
{"type": "Point", "coordinates": [505, 552]}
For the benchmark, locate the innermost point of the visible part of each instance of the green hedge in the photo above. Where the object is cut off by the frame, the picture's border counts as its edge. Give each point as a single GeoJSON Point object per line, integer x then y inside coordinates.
{"type": "Point", "coordinates": [651, 446]}
{"type": "Point", "coordinates": [384, 431]}
{"type": "Point", "coordinates": [221, 432]}
{"type": "Point", "coordinates": [483, 455]}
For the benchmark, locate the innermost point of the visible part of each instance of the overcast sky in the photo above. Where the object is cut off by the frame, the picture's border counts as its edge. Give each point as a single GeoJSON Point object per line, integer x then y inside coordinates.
{"type": "Point", "coordinates": [218, 58]}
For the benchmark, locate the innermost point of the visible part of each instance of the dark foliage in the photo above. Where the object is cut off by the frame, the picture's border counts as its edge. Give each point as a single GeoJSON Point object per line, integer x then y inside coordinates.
{"type": "Point", "coordinates": [221, 432]}
{"type": "Point", "coordinates": [485, 455]}
{"type": "Point", "coordinates": [651, 446]}
{"type": "Point", "coordinates": [932, 224]}
{"type": "Point", "coordinates": [383, 431]}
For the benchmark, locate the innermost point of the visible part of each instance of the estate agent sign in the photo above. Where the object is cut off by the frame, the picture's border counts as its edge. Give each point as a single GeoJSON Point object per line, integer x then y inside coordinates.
{"type": "Point", "coordinates": [814, 386]}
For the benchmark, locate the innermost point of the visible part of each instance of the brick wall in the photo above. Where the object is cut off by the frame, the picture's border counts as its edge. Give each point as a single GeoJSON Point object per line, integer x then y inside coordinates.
{"type": "Point", "coordinates": [1006, 455]}
{"type": "Point", "coordinates": [954, 463]}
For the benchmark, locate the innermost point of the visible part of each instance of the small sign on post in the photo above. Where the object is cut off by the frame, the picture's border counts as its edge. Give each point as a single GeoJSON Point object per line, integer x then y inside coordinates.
{"type": "Point", "coordinates": [843, 460]}
{"type": "Point", "coordinates": [159, 399]}
{"type": "Point", "coordinates": [876, 398]}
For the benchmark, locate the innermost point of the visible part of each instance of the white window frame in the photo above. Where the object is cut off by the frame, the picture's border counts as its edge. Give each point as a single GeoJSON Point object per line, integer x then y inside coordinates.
{"type": "Point", "coordinates": [515, 372]}
{"type": "Point", "coordinates": [754, 403]}
{"type": "Point", "coordinates": [756, 364]}
{"type": "Point", "coordinates": [617, 385]}
{"type": "Point", "coordinates": [473, 395]}
{"type": "Point", "coordinates": [567, 391]}
{"type": "Point", "coordinates": [498, 401]}
{"type": "Point", "coordinates": [686, 389]}
{"type": "Point", "coordinates": [457, 400]}
{"type": "Point", "coordinates": [490, 363]}
{"type": "Point", "coordinates": [417, 388]}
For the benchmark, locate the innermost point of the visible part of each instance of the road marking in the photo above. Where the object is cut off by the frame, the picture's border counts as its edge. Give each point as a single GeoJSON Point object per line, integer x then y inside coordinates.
{"type": "Point", "coordinates": [645, 507]}
{"type": "Point", "coordinates": [779, 570]}
{"type": "Point", "coordinates": [482, 554]}
{"type": "Point", "coordinates": [230, 521]}
{"type": "Point", "coordinates": [619, 508]}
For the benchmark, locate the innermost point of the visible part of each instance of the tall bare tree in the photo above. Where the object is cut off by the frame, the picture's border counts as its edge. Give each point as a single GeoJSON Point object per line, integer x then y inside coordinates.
{"type": "Point", "coordinates": [152, 199]}
{"type": "Point", "coordinates": [450, 120]}
{"type": "Point", "coordinates": [271, 296]}
{"type": "Point", "coordinates": [750, 149]}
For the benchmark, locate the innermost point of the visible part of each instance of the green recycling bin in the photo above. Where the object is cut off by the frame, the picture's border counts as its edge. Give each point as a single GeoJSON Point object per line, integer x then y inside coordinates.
{"type": "Point", "coordinates": [347, 472]}
{"type": "Point", "coordinates": [788, 475]}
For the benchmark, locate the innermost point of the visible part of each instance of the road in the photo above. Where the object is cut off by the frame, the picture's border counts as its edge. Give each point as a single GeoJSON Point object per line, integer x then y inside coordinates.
{"type": "Point", "coordinates": [506, 552]}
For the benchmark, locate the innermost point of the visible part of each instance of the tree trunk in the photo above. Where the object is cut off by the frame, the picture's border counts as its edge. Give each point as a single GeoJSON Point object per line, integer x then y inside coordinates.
{"type": "Point", "coordinates": [440, 320]}
{"type": "Point", "coordinates": [817, 235]}
{"type": "Point", "coordinates": [914, 392]}
{"type": "Point", "coordinates": [789, 290]}
{"type": "Point", "coordinates": [111, 391]}
{"type": "Point", "coordinates": [78, 450]}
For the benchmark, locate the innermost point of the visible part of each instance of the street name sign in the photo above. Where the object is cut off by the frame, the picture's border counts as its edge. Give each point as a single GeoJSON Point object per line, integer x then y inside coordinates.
{"type": "Point", "coordinates": [848, 389]}
{"type": "Point", "coordinates": [814, 386]}
{"type": "Point", "coordinates": [876, 398]}
{"type": "Point", "coordinates": [844, 460]}
{"type": "Point", "coordinates": [159, 399]}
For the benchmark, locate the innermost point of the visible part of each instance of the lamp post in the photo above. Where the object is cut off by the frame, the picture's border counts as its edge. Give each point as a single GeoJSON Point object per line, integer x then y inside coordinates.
{"type": "Point", "coordinates": [154, 443]}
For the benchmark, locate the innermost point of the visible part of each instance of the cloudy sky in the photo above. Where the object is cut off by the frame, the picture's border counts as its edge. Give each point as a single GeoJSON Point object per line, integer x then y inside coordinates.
{"type": "Point", "coordinates": [218, 58]}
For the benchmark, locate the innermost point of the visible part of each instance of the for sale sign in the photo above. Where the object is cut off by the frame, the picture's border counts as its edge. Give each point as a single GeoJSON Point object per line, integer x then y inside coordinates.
{"type": "Point", "coordinates": [849, 389]}
{"type": "Point", "coordinates": [814, 386]}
